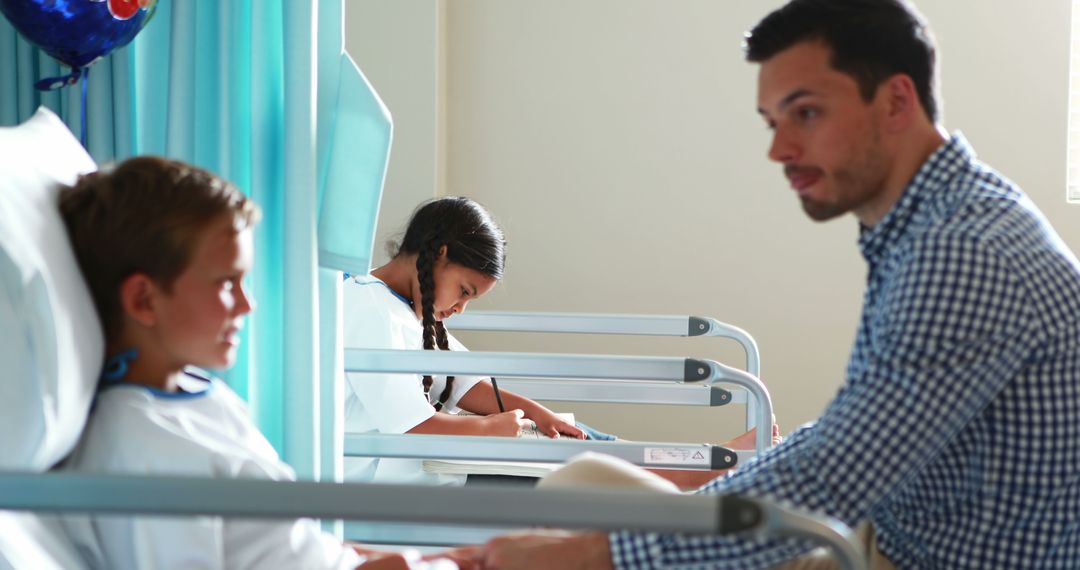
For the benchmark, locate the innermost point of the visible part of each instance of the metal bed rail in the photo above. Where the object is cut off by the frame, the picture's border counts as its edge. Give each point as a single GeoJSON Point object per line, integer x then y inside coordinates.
{"type": "Point", "coordinates": [597, 323]}
{"type": "Point", "coordinates": [618, 324]}
{"type": "Point", "coordinates": [659, 455]}
{"type": "Point", "coordinates": [650, 369]}
{"type": "Point", "coordinates": [563, 508]}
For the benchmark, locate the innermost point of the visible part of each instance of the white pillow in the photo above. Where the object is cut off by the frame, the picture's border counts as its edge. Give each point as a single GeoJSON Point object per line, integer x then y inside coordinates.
{"type": "Point", "coordinates": [51, 344]}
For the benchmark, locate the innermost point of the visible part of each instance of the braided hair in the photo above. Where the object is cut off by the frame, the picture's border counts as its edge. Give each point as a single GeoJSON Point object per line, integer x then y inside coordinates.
{"type": "Point", "coordinates": [472, 240]}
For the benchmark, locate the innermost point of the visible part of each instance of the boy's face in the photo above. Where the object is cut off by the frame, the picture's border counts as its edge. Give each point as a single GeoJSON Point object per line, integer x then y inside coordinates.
{"type": "Point", "coordinates": [200, 319]}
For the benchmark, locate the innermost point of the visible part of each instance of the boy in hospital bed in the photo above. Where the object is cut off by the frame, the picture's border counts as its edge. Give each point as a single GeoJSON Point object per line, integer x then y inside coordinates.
{"type": "Point", "coordinates": [164, 248]}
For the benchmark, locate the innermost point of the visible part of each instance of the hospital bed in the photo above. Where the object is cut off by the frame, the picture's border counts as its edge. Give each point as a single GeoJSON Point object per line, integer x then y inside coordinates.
{"type": "Point", "coordinates": [582, 378]}
{"type": "Point", "coordinates": [52, 353]}
{"type": "Point", "coordinates": [650, 371]}
{"type": "Point", "coordinates": [610, 379]}
{"type": "Point", "coordinates": [582, 368]}
{"type": "Point", "coordinates": [592, 378]}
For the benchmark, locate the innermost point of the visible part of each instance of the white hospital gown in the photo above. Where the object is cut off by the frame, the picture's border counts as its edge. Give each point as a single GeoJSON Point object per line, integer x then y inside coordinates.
{"type": "Point", "coordinates": [374, 317]}
{"type": "Point", "coordinates": [204, 431]}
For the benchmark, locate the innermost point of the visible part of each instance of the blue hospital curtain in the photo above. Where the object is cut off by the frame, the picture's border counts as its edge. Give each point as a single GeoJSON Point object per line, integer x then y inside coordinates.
{"type": "Point", "coordinates": [250, 89]}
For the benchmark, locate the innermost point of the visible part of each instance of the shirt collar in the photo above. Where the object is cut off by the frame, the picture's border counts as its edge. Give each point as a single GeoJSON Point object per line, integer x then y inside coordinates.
{"type": "Point", "coordinates": [949, 159]}
{"type": "Point", "coordinates": [195, 384]}
{"type": "Point", "coordinates": [362, 280]}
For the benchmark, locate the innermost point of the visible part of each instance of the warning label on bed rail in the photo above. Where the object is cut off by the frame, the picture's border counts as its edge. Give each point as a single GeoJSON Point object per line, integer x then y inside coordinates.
{"type": "Point", "coordinates": [676, 456]}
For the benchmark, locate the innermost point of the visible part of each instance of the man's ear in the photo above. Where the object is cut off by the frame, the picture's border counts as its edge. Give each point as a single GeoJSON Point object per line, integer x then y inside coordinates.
{"type": "Point", "coordinates": [901, 101]}
{"type": "Point", "coordinates": [138, 294]}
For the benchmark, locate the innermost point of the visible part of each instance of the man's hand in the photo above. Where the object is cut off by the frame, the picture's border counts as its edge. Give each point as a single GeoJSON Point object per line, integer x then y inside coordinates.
{"type": "Point", "coordinates": [544, 550]}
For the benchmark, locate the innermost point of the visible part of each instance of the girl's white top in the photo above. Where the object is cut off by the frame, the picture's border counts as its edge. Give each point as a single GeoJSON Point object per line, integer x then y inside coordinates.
{"type": "Point", "coordinates": [376, 317]}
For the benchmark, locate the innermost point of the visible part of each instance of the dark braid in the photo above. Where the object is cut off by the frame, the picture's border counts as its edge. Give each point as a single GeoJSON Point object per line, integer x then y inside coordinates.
{"type": "Point", "coordinates": [440, 340]}
{"type": "Point", "coordinates": [425, 260]}
{"type": "Point", "coordinates": [471, 239]}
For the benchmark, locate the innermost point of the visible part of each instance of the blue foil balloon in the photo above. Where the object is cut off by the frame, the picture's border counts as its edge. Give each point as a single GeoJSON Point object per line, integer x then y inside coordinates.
{"type": "Point", "coordinates": [78, 32]}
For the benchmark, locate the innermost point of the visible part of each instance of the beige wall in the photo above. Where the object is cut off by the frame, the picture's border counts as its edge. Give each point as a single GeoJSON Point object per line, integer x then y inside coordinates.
{"type": "Point", "coordinates": [616, 141]}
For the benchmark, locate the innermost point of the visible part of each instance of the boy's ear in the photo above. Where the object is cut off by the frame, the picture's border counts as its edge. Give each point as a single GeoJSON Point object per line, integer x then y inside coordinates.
{"type": "Point", "coordinates": [137, 294]}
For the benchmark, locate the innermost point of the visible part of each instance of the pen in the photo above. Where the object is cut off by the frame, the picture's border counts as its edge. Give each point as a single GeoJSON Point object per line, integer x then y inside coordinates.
{"type": "Point", "coordinates": [498, 398]}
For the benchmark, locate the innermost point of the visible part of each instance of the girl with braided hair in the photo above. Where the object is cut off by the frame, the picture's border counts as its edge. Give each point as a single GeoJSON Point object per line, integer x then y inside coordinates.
{"type": "Point", "coordinates": [452, 253]}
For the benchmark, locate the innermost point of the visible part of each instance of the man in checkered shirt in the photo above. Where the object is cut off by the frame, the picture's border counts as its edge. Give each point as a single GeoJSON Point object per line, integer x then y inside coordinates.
{"type": "Point", "coordinates": [957, 430]}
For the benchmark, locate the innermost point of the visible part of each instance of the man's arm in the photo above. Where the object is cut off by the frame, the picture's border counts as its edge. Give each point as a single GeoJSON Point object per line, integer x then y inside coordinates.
{"type": "Point", "coordinates": [946, 333]}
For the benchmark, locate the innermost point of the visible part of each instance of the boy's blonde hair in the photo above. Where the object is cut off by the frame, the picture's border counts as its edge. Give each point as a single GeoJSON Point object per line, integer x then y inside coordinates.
{"type": "Point", "coordinates": [144, 216]}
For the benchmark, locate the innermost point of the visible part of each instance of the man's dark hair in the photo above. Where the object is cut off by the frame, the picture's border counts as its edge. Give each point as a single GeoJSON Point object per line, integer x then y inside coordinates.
{"type": "Point", "coordinates": [871, 40]}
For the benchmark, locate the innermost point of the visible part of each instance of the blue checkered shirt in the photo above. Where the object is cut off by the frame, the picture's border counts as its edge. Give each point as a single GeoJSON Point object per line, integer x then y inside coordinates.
{"type": "Point", "coordinates": [957, 429]}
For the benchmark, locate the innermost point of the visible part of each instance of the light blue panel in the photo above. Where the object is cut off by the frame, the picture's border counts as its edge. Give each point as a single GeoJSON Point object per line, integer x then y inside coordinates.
{"type": "Point", "coordinates": [48, 67]}
{"type": "Point", "coordinates": [179, 128]}
{"type": "Point", "coordinates": [207, 92]}
{"type": "Point", "coordinates": [123, 102]}
{"type": "Point", "coordinates": [150, 82]}
{"type": "Point", "coordinates": [356, 142]}
{"type": "Point", "coordinates": [236, 73]}
{"type": "Point", "coordinates": [234, 81]}
{"type": "Point", "coordinates": [300, 252]}
{"type": "Point", "coordinates": [224, 27]}
{"type": "Point", "coordinates": [71, 104]}
{"type": "Point", "coordinates": [332, 374]}
{"type": "Point", "coordinates": [123, 119]}
{"type": "Point", "coordinates": [9, 76]}
{"type": "Point", "coordinates": [27, 75]}
{"type": "Point", "coordinates": [239, 76]}
{"type": "Point", "coordinates": [99, 102]}
{"type": "Point", "coordinates": [266, 389]}
{"type": "Point", "coordinates": [331, 387]}
{"type": "Point", "coordinates": [356, 172]}
{"type": "Point", "coordinates": [331, 42]}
